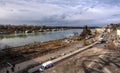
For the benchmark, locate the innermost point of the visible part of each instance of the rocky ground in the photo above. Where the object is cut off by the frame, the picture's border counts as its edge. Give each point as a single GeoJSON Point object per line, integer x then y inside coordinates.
{"type": "Point", "coordinates": [74, 64]}
{"type": "Point", "coordinates": [81, 63]}
{"type": "Point", "coordinates": [90, 61]}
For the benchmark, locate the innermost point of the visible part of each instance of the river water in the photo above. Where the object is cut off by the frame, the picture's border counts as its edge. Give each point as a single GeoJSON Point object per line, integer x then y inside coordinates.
{"type": "Point", "coordinates": [14, 40]}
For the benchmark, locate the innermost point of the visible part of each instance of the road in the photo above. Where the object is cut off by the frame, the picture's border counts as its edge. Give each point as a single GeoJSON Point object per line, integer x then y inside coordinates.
{"type": "Point", "coordinates": [23, 65]}
{"type": "Point", "coordinates": [66, 56]}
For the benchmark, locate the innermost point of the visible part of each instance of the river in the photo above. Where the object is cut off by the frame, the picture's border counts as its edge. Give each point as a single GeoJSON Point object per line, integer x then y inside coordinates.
{"type": "Point", "coordinates": [14, 40]}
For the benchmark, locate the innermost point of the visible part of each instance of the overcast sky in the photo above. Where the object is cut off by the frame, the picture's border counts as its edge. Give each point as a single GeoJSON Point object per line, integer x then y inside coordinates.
{"type": "Point", "coordinates": [60, 12]}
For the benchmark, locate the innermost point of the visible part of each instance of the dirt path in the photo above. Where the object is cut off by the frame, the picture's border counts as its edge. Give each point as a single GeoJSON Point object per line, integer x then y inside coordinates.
{"type": "Point", "coordinates": [23, 65]}
{"type": "Point", "coordinates": [73, 65]}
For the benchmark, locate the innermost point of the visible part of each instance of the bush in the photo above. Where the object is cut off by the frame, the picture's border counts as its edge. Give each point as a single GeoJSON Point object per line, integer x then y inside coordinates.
{"type": "Point", "coordinates": [86, 31]}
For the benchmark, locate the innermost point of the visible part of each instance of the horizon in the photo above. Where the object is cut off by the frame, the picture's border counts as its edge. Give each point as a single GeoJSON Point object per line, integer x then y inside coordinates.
{"type": "Point", "coordinates": [60, 12]}
{"type": "Point", "coordinates": [57, 25]}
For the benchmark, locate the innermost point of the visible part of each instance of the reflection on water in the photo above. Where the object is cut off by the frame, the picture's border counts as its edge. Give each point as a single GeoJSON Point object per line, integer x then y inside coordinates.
{"type": "Point", "coordinates": [20, 39]}
{"type": "Point", "coordinates": [20, 35]}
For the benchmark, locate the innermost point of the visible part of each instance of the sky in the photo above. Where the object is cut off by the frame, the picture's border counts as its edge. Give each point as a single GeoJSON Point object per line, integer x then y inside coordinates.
{"type": "Point", "coordinates": [60, 12]}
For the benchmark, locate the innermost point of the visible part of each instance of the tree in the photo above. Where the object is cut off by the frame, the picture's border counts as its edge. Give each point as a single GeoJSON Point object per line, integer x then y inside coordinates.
{"type": "Point", "coordinates": [86, 31]}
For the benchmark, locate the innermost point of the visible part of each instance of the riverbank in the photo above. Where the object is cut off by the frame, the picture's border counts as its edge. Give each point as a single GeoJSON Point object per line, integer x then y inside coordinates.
{"type": "Point", "coordinates": [22, 53]}
{"type": "Point", "coordinates": [23, 39]}
{"type": "Point", "coordinates": [40, 59]}
{"type": "Point", "coordinates": [31, 54]}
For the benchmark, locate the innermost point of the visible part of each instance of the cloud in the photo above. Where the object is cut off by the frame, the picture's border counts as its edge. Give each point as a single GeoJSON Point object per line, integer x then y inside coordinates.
{"type": "Point", "coordinates": [64, 12]}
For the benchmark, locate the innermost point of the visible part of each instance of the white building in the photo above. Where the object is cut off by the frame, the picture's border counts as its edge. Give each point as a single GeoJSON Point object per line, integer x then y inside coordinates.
{"type": "Point", "coordinates": [109, 30]}
{"type": "Point", "coordinates": [118, 32]}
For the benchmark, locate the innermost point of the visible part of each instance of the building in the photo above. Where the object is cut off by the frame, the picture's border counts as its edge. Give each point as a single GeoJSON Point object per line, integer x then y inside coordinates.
{"type": "Point", "coordinates": [118, 32]}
